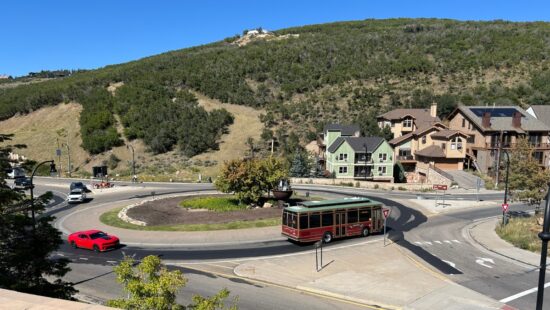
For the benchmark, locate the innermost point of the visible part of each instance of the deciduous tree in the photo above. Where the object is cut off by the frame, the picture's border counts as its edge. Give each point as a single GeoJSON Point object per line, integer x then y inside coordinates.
{"type": "Point", "coordinates": [526, 178]}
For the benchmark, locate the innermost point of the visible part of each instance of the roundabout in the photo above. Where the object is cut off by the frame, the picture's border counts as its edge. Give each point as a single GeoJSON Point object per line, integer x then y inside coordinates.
{"type": "Point", "coordinates": [262, 254]}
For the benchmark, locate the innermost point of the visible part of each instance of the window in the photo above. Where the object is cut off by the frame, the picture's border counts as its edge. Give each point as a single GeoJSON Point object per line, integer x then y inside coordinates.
{"type": "Point", "coordinates": [343, 170]}
{"type": "Point", "coordinates": [456, 144]}
{"type": "Point", "coordinates": [352, 216]}
{"type": "Point", "coordinates": [463, 122]}
{"type": "Point", "coordinates": [392, 124]}
{"type": "Point", "coordinates": [407, 122]}
{"type": "Point", "coordinates": [328, 218]}
{"type": "Point", "coordinates": [285, 218]}
{"type": "Point", "coordinates": [292, 220]}
{"type": "Point", "coordinates": [343, 156]}
{"type": "Point", "coordinates": [404, 152]}
{"type": "Point", "coordinates": [469, 125]}
{"type": "Point", "coordinates": [443, 145]}
{"type": "Point", "coordinates": [381, 170]}
{"type": "Point", "coordinates": [314, 220]}
{"type": "Point", "coordinates": [364, 214]}
{"type": "Point", "coordinates": [423, 139]}
{"type": "Point", "coordinates": [303, 221]}
{"type": "Point", "coordinates": [459, 144]}
{"type": "Point", "coordinates": [538, 157]}
{"type": "Point", "coordinates": [382, 157]}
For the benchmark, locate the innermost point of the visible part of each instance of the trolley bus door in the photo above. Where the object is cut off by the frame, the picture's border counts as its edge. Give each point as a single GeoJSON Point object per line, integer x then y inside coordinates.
{"type": "Point", "coordinates": [340, 224]}
{"type": "Point", "coordinates": [376, 218]}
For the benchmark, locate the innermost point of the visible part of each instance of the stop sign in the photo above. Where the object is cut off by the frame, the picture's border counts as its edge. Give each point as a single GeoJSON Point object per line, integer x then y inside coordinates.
{"type": "Point", "coordinates": [504, 207]}
{"type": "Point", "coordinates": [386, 212]}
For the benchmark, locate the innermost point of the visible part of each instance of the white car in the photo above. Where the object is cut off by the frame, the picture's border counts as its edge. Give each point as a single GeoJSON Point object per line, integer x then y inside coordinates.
{"type": "Point", "coordinates": [76, 195]}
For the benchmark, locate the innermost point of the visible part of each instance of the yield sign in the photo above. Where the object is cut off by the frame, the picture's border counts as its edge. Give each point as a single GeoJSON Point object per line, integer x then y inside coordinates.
{"type": "Point", "coordinates": [504, 207]}
{"type": "Point", "coordinates": [386, 212]}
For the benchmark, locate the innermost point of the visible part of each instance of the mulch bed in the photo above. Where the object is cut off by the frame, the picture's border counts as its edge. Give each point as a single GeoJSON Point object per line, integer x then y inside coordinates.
{"type": "Point", "coordinates": [168, 212]}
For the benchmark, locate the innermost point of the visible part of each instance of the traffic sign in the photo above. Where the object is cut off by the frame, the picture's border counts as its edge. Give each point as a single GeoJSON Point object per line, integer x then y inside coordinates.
{"type": "Point", "coordinates": [441, 187]}
{"type": "Point", "coordinates": [505, 207]}
{"type": "Point", "coordinates": [386, 212]}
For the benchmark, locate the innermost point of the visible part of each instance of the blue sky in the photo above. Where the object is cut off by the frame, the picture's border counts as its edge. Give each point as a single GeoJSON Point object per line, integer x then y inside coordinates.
{"type": "Point", "coordinates": [72, 34]}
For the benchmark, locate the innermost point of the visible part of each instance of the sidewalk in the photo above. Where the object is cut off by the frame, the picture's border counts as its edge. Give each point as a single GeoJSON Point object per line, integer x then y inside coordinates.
{"type": "Point", "coordinates": [483, 232]}
{"type": "Point", "coordinates": [370, 274]}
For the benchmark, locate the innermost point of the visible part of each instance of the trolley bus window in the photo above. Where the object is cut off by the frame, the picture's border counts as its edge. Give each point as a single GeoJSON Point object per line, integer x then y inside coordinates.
{"type": "Point", "coordinates": [328, 218]}
{"type": "Point", "coordinates": [352, 216]}
{"type": "Point", "coordinates": [364, 214]}
{"type": "Point", "coordinates": [314, 220]}
{"type": "Point", "coordinates": [303, 221]}
{"type": "Point", "coordinates": [292, 220]}
{"type": "Point", "coordinates": [285, 218]}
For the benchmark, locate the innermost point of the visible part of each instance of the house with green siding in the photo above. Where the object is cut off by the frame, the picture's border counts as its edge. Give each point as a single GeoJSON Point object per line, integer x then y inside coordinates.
{"type": "Point", "coordinates": [350, 156]}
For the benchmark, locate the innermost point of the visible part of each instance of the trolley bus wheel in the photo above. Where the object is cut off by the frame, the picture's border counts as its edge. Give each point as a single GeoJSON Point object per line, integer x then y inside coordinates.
{"type": "Point", "coordinates": [365, 232]}
{"type": "Point", "coordinates": [327, 237]}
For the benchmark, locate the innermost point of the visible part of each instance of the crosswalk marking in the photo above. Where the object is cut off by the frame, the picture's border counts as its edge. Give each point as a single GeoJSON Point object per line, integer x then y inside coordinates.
{"type": "Point", "coordinates": [454, 240]}
{"type": "Point", "coordinates": [438, 242]}
{"type": "Point", "coordinates": [447, 241]}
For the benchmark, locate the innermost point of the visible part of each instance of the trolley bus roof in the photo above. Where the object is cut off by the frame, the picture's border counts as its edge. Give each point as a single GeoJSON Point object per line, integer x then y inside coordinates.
{"type": "Point", "coordinates": [324, 205]}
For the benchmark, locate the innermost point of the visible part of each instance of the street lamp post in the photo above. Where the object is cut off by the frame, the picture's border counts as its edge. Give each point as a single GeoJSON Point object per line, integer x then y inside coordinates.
{"type": "Point", "coordinates": [544, 237]}
{"type": "Point", "coordinates": [52, 170]}
{"type": "Point", "coordinates": [128, 146]}
{"type": "Point", "coordinates": [366, 161]}
{"type": "Point", "coordinates": [506, 184]}
{"type": "Point", "coordinates": [68, 158]}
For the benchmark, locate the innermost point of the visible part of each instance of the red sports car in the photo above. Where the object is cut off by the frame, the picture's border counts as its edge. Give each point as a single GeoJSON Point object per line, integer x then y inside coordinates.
{"type": "Point", "coordinates": [94, 240]}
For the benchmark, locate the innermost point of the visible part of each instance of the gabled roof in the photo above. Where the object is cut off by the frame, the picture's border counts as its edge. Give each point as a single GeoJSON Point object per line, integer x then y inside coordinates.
{"type": "Point", "coordinates": [416, 133]}
{"type": "Point", "coordinates": [501, 119]}
{"type": "Point", "coordinates": [542, 113]}
{"type": "Point", "coordinates": [358, 144]}
{"type": "Point", "coordinates": [433, 151]}
{"type": "Point", "coordinates": [345, 130]}
{"type": "Point", "coordinates": [447, 133]}
{"type": "Point", "coordinates": [422, 117]}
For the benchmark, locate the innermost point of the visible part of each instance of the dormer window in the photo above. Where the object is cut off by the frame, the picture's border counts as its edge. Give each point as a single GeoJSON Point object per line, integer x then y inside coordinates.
{"type": "Point", "coordinates": [408, 122]}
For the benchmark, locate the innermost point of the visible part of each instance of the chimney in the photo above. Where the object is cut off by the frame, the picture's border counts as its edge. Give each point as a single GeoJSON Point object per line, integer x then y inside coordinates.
{"type": "Point", "coordinates": [516, 119]}
{"type": "Point", "coordinates": [433, 110]}
{"type": "Point", "coordinates": [486, 119]}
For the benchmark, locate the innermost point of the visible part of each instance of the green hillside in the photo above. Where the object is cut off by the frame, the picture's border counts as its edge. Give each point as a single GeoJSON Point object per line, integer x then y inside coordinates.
{"type": "Point", "coordinates": [304, 77]}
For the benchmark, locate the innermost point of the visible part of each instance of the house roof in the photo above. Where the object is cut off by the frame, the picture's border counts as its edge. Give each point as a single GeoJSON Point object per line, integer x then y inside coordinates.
{"type": "Point", "coordinates": [345, 130]}
{"type": "Point", "coordinates": [431, 151]}
{"type": "Point", "coordinates": [417, 132]}
{"type": "Point", "coordinates": [542, 113]}
{"type": "Point", "coordinates": [447, 133]}
{"type": "Point", "coordinates": [358, 144]}
{"type": "Point", "coordinates": [422, 117]}
{"type": "Point", "coordinates": [501, 118]}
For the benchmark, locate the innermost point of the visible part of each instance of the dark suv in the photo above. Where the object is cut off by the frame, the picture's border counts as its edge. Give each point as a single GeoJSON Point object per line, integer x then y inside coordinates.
{"type": "Point", "coordinates": [79, 185]}
{"type": "Point", "coordinates": [23, 182]}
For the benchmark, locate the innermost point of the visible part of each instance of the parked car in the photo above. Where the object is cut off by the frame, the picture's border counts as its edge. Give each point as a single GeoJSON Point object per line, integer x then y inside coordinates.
{"type": "Point", "coordinates": [76, 195]}
{"type": "Point", "coordinates": [80, 185]}
{"type": "Point", "coordinates": [94, 240]}
{"type": "Point", "coordinates": [16, 172]}
{"type": "Point", "coordinates": [23, 182]}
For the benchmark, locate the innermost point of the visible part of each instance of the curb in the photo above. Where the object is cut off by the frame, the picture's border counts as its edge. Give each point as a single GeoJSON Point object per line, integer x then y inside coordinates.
{"type": "Point", "coordinates": [347, 298]}
{"type": "Point", "coordinates": [467, 232]}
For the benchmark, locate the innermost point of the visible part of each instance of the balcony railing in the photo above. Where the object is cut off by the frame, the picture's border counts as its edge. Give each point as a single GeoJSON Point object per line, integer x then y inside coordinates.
{"type": "Point", "coordinates": [405, 157]}
{"type": "Point", "coordinates": [535, 145]}
{"type": "Point", "coordinates": [363, 162]}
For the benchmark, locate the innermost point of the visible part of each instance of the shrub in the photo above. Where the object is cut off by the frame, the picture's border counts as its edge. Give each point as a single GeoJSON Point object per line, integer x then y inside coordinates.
{"type": "Point", "coordinates": [376, 186]}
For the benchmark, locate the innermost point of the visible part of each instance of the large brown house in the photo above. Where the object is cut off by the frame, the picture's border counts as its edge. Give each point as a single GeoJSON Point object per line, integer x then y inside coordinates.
{"type": "Point", "coordinates": [491, 129]}
{"type": "Point", "coordinates": [422, 143]}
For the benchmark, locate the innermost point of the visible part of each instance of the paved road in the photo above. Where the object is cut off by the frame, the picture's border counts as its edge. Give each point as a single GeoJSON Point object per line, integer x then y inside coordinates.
{"type": "Point", "coordinates": [438, 241]}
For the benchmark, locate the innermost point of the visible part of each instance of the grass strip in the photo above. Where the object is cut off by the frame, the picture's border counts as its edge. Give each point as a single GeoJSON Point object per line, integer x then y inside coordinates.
{"type": "Point", "coordinates": [111, 218]}
{"type": "Point", "coordinates": [522, 233]}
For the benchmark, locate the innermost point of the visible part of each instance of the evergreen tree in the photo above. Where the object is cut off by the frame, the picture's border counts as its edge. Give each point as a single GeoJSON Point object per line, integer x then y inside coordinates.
{"type": "Point", "coordinates": [526, 178]}
{"type": "Point", "coordinates": [26, 247]}
{"type": "Point", "coordinates": [301, 165]}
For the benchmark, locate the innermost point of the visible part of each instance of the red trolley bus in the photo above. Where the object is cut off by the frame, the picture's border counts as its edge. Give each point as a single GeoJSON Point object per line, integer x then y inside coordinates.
{"type": "Point", "coordinates": [329, 219]}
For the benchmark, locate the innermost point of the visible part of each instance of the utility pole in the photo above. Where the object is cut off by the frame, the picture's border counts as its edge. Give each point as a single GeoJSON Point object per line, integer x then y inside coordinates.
{"type": "Point", "coordinates": [499, 146]}
{"type": "Point", "coordinates": [134, 178]}
{"type": "Point", "coordinates": [68, 157]}
{"type": "Point", "coordinates": [58, 153]}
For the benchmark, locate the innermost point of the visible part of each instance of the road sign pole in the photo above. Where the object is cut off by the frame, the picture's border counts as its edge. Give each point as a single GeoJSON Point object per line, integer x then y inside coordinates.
{"type": "Point", "coordinates": [544, 237]}
{"type": "Point", "coordinates": [384, 231]}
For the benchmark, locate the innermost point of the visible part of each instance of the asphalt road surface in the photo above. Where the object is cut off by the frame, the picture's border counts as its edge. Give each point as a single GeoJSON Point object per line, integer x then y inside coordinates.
{"type": "Point", "coordinates": [438, 241]}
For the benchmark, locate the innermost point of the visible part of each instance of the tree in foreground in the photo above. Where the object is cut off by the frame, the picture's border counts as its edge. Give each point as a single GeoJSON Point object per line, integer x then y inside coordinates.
{"type": "Point", "coordinates": [151, 286]}
{"type": "Point", "coordinates": [526, 178]}
{"type": "Point", "coordinates": [25, 249]}
{"type": "Point", "coordinates": [250, 179]}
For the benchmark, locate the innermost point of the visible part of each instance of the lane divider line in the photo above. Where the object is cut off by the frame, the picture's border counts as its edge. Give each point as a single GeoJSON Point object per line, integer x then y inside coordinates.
{"type": "Point", "coordinates": [521, 294]}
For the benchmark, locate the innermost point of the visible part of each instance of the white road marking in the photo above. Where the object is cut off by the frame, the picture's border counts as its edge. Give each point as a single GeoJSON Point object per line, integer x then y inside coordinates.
{"type": "Point", "coordinates": [519, 295]}
{"type": "Point", "coordinates": [447, 241]}
{"type": "Point", "coordinates": [438, 242]}
{"type": "Point", "coordinates": [482, 261]}
{"type": "Point", "coordinates": [417, 242]}
{"type": "Point", "coordinates": [83, 258]}
{"type": "Point", "coordinates": [450, 263]}
{"type": "Point", "coordinates": [112, 261]}
{"type": "Point", "coordinates": [454, 240]}
{"type": "Point", "coordinates": [60, 254]}
{"type": "Point", "coordinates": [428, 242]}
